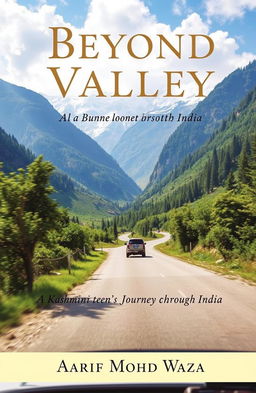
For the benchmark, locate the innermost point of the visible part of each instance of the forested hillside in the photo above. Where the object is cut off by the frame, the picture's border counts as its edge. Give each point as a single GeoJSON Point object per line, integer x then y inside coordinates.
{"type": "Point", "coordinates": [12, 154]}
{"type": "Point", "coordinates": [69, 193]}
{"type": "Point", "coordinates": [35, 124]}
{"type": "Point", "coordinates": [188, 137]}
{"type": "Point", "coordinates": [222, 172]}
{"type": "Point", "coordinates": [207, 168]}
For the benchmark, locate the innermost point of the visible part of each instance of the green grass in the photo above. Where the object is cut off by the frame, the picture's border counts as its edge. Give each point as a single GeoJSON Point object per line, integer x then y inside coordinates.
{"type": "Point", "coordinates": [114, 244]}
{"type": "Point", "coordinates": [208, 258]}
{"type": "Point", "coordinates": [13, 307]}
{"type": "Point", "coordinates": [137, 235]}
{"type": "Point", "coordinates": [88, 207]}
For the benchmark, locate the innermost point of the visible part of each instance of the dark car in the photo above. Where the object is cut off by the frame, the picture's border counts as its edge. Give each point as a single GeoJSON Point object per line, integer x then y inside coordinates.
{"type": "Point", "coordinates": [135, 247]}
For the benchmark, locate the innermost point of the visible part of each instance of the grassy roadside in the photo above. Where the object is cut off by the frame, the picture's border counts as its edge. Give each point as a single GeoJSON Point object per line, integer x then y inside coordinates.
{"type": "Point", "coordinates": [117, 243]}
{"type": "Point", "coordinates": [12, 307]}
{"type": "Point", "coordinates": [204, 258]}
{"type": "Point", "coordinates": [137, 235]}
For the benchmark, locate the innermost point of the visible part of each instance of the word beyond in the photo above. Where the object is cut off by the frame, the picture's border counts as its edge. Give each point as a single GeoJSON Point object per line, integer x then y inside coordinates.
{"type": "Point", "coordinates": [138, 46]}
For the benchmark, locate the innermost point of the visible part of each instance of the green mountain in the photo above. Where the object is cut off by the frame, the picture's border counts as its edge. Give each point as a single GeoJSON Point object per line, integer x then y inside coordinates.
{"type": "Point", "coordinates": [35, 124]}
{"type": "Point", "coordinates": [69, 193]}
{"type": "Point", "coordinates": [189, 136]}
{"type": "Point", "coordinates": [12, 154]}
{"type": "Point", "coordinates": [140, 146]}
{"type": "Point", "coordinates": [203, 171]}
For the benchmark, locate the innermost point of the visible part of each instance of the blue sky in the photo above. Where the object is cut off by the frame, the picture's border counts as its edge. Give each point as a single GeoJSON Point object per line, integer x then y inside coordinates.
{"type": "Point", "coordinates": [241, 27]}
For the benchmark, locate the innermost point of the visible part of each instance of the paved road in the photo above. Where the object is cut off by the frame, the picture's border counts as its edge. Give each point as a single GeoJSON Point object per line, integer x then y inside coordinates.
{"type": "Point", "coordinates": [230, 325]}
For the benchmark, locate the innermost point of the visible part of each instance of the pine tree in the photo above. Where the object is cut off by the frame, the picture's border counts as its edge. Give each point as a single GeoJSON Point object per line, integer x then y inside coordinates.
{"type": "Point", "coordinates": [230, 182]}
{"type": "Point", "coordinates": [103, 225]}
{"type": "Point", "coordinates": [227, 164]}
{"type": "Point", "coordinates": [252, 166]}
{"type": "Point", "coordinates": [115, 231]}
{"type": "Point", "coordinates": [214, 182]}
{"type": "Point", "coordinates": [207, 177]}
{"type": "Point", "coordinates": [235, 147]}
{"type": "Point", "coordinates": [243, 167]}
{"type": "Point", "coordinates": [27, 212]}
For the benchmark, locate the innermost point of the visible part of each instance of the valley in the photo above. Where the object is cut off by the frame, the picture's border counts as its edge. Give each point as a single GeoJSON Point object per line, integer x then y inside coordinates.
{"type": "Point", "coordinates": [203, 199]}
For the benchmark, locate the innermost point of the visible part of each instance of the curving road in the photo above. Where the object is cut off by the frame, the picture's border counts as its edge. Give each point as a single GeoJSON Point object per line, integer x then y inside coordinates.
{"type": "Point", "coordinates": [155, 321]}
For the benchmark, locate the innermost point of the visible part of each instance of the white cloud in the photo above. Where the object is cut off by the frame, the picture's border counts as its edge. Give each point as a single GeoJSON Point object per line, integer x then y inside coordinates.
{"type": "Point", "coordinates": [178, 6]}
{"type": "Point", "coordinates": [229, 9]}
{"type": "Point", "coordinates": [25, 46]}
{"type": "Point", "coordinates": [24, 43]}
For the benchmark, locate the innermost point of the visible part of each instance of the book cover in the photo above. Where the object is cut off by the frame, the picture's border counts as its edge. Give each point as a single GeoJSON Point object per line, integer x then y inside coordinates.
{"type": "Point", "coordinates": [127, 186]}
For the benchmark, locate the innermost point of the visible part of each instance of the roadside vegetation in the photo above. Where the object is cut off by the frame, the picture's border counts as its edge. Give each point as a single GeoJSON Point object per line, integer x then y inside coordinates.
{"type": "Point", "coordinates": [43, 251]}
{"type": "Point", "coordinates": [218, 229]}
{"type": "Point", "coordinates": [113, 244]}
{"type": "Point", "coordinates": [12, 307]}
{"type": "Point", "coordinates": [150, 236]}
{"type": "Point", "coordinates": [212, 260]}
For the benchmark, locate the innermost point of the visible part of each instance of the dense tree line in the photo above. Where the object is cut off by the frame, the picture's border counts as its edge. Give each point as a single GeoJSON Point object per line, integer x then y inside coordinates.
{"type": "Point", "coordinates": [230, 223]}
{"type": "Point", "coordinates": [12, 154]}
{"type": "Point", "coordinates": [36, 235]}
{"type": "Point", "coordinates": [62, 182]}
{"type": "Point", "coordinates": [213, 174]}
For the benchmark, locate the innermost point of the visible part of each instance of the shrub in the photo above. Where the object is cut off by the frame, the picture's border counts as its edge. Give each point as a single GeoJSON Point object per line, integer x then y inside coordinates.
{"type": "Point", "coordinates": [43, 263]}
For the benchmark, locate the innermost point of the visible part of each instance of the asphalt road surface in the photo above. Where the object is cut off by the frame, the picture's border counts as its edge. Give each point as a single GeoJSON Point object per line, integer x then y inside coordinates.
{"type": "Point", "coordinates": [158, 320]}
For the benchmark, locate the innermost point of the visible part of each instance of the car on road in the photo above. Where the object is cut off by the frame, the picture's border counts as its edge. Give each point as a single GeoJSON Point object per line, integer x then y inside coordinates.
{"type": "Point", "coordinates": [135, 247]}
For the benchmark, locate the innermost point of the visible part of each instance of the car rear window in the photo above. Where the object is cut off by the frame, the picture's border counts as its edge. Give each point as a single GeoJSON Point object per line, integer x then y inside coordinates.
{"type": "Point", "coordinates": [136, 241]}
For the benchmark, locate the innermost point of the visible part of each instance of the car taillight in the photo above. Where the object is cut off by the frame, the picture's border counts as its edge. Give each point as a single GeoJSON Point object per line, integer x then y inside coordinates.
{"type": "Point", "coordinates": [128, 246]}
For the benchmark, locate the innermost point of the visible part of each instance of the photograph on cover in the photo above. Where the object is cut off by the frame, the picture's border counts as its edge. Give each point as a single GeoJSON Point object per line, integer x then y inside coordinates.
{"type": "Point", "coordinates": [128, 175]}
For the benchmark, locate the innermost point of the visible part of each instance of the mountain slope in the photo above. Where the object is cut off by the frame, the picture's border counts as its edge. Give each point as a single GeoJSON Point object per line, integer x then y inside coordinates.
{"type": "Point", "coordinates": [71, 195]}
{"type": "Point", "coordinates": [138, 149]}
{"type": "Point", "coordinates": [12, 154]}
{"type": "Point", "coordinates": [208, 167]}
{"type": "Point", "coordinates": [216, 106]}
{"type": "Point", "coordinates": [111, 136]}
{"type": "Point", "coordinates": [35, 124]}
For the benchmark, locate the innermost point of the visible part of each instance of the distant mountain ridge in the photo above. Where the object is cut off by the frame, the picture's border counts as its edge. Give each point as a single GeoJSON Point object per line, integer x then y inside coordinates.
{"type": "Point", "coordinates": [140, 146]}
{"type": "Point", "coordinates": [111, 136]}
{"type": "Point", "coordinates": [188, 137]}
{"type": "Point", "coordinates": [69, 193]}
{"type": "Point", "coordinates": [35, 124]}
{"type": "Point", "coordinates": [14, 156]}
